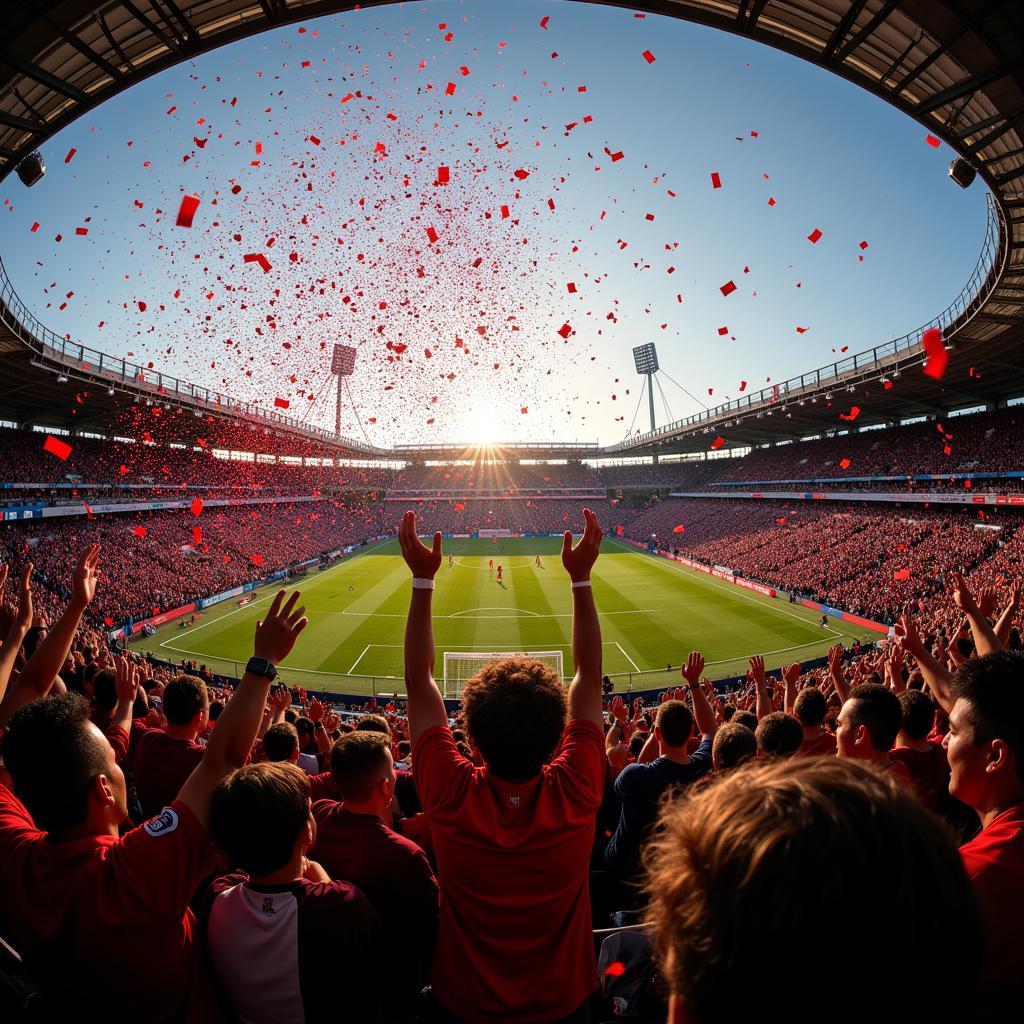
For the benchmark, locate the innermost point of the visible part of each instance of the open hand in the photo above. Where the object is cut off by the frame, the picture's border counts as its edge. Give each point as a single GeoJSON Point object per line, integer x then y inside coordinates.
{"type": "Point", "coordinates": [692, 669]}
{"type": "Point", "coordinates": [85, 576]}
{"type": "Point", "coordinates": [276, 635]}
{"type": "Point", "coordinates": [579, 560]}
{"type": "Point", "coordinates": [423, 561]}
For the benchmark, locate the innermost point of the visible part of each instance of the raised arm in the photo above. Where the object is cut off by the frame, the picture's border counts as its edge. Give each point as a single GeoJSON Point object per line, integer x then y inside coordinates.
{"type": "Point", "coordinates": [939, 680]}
{"type": "Point", "coordinates": [126, 686]}
{"type": "Point", "coordinates": [703, 713]}
{"type": "Point", "coordinates": [425, 704]}
{"type": "Point", "coordinates": [1005, 621]}
{"type": "Point", "coordinates": [585, 690]}
{"type": "Point", "coordinates": [985, 641]}
{"type": "Point", "coordinates": [52, 652]}
{"type": "Point", "coordinates": [791, 676]}
{"type": "Point", "coordinates": [21, 622]}
{"type": "Point", "coordinates": [764, 702]}
{"type": "Point", "coordinates": [836, 673]}
{"type": "Point", "coordinates": [235, 732]}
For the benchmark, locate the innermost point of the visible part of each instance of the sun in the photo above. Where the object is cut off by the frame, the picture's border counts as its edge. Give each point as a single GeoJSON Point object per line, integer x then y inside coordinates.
{"type": "Point", "coordinates": [482, 427]}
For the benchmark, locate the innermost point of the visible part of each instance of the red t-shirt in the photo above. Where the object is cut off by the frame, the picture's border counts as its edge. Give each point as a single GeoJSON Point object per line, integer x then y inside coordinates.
{"type": "Point", "coordinates": [994, 860]}
{"type": "Point", "coordinates": [77, 910]}
{"type": "Point", "coordinates": [821, 745]}
{"type": "Point", "coordinates": [161, 767]}
{"type": "Point", "coordinates": [515, 940]}
{"type": "Point", "coordinates": [929, 772]}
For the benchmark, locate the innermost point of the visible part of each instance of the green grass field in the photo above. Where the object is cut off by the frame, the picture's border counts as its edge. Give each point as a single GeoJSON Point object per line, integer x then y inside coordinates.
{"type": "Point", "coordinates": [653, 612]}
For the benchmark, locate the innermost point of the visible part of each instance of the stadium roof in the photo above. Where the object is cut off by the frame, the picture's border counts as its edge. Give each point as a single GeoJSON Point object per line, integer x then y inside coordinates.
{"type": "Point", "coordinates": [956, 66]}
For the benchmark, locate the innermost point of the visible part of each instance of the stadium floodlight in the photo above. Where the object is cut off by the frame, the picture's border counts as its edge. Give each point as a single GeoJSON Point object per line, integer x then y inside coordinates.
{"type": "Point", "coordinates": [31, 169]}
{"type": "Point", "coordinates": [343, 363]}
{"type": "Point", "coordinates": [646, 358]}
{"type": "Point", "coordinates": [962, 172]}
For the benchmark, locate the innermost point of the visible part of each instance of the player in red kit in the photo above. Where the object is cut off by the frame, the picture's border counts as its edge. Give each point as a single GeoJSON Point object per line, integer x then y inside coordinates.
{"type": "Point", "coordinates": [499, 572]}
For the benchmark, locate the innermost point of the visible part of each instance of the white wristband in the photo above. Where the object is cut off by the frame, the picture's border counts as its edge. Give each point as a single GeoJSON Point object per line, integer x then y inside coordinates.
{"type": "Point", "coordinates": [580, 583]}
{"type": "Point", "coordinates": [418, 584]}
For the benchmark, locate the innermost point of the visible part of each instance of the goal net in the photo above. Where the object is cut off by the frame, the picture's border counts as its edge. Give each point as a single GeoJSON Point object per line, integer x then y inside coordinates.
{"type": "Point", "coordinates": [462, 665]}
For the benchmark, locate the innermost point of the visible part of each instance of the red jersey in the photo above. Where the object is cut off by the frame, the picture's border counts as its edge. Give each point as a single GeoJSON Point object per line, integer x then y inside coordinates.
{"type": "Point", "coordinates": [74, 909]}
{"type": "Point", "coordinates": [929, 773]}
{"type": "Point", "coordinates": [821, 745]}
{"type": "Point", "coordinates": [515, 940]}
{"type": "Point", "coordinates": [994, 860]}
{"type": "Point", "coordinates": [161, 766]}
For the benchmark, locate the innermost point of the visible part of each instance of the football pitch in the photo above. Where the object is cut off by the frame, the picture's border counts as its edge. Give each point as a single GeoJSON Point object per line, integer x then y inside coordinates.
{"type": "Point", "coordinates": [653, 613]}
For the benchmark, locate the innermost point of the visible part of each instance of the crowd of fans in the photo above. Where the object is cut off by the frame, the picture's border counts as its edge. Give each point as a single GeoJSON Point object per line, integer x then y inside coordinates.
{"type": "Point", "coordinates": [251, 854]}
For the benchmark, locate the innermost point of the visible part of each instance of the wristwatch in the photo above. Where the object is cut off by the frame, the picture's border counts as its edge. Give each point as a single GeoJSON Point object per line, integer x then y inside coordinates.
{"type": "Point", "coordinates": [261, 667]}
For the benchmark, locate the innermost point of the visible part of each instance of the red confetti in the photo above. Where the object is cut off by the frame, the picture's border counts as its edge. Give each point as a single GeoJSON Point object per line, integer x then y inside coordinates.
{"type": "Point", "coordinates": [679, 529]}
{"type": "Point", "coordinates": [935, 350]}
{"type": "Point", "coordinates": [432, 235]}
{"type": "Point", "coordinates": [930, 139]}
{"type": "Point", "coordinates": [459, 506]}
{"type": "Point", "coordinates": [71, 153]}
{"type": "Point", "coordinates": [844, 463]}
{"type": "Point", "coordinates": [814, 236]}
{"type": "Point", "coordinates": [722, 331]}
{"type": "Point", "coordinates": [81, 231]}
{"type": "Point", "coordinates": [139, 531]}
{"type": "Point", "coordinates": [281, 403]}
{"type": "Point", "coordinates": [851, 415]}
{"type": "Point", "coordinates": [258, 257]}
{"type": "Point", "coordinates": [544, 22]}
{"type": "Point", "coordinates": [56, 447]}
{"type": "Point", "coordinates": [863, 245]}
{"type": "Point", "coordinates": [35, 227]}
{"type": "Point", "coordinates": [522, 175]}
{"type": "Point", "coordinates": [728, 288]}
{"type": "Point", "coordinates": [716, 181]}
{"type": "Point", "coordinates": [197, 506]}
{"type": "Point", "coordinates": [443, 175]}
{"type": "Point", "coordinates": [450, 90]}
{"type": "Point", "coordinates": [197, 535]}
{"type": "Point", "coordinates": [256, 559]}
{"type": "Point", "coordinates": [571, 287]}
{"type": "Point", "coordinates": [648, 56]}
{"type": "Point", "coordinates": [565, 330]}
{"type": "Point", "coordinates": [901, 574]}
{"type": "Point", "coordinates": [187, 210]}
{"type": "Point", "coordinates": [717, 443]}
{"type": "Point", "coordinates": [771, 202]}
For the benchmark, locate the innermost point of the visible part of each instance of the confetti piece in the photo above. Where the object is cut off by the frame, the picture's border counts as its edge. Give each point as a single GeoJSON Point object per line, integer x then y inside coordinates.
{"type": "Point", "coordinates": [459, 506]}
{"type": "Point", "coordinates": [258, 257]}
{"type": "Point", "coordinates": [771, 202]}
{"type": "Point", "coordinates": [521, 174]}
{"type": "Point", "coordinates": [851, 415]}
{"type": "Point", "coordinates": [450, 89]}
{"type": "Point", "coordinates": [256, 559]}
{"type": "Point", "coordinates": [281, 403]}
{"type": "Point", "coordinates": [930, 139]}
{"type": "Point", "coordinates": [35, 227]}
{"type": "Point", "coordinates": [443, 175]}
{"type": "Point", "coordinates": [139, 531]}
{"type": "Point", "coordinates": [56, 447]}
{"type": "Point", "coordinates": [743, 386]}
{"type": "Point", "coordinates": [716, 181]}
{"type": "Point", "coordinates": [648, 56]}
{"type": "Point", "coordinates": [71, 153]}
{"type": "Point", "coordinates": [814, 236]}
{"type": "Point", "coordinates": [722, 331]}
{"type": "Point", "coordinates": [187, 210]}
{"type": "Point", "coordinates": [197, 506]}
{"type": "Point", "coordinates": [571, 288]}
{"type": "Point", "coordinates": [901, 574]}
{"type": "Point", "coordinates": [544, 22]}
{"type": "Point", "coordinates": [675, 529]}
{"type": "Point", "coordinates": [717, 443]}
{"type": "Point", "coordinates": [197, 535]}
{"type": "Point", "coordinates": [565, 330]}
{"type": "Point", "coordinates": [863, 245]}
{"type": "Point", "coordinates": [432, 235]}
{"type": "Point", "coordinates": [844, 463]}
{"type": "Point", "coordinates": [728, 288]}
{"type": "Point", "coordinates": [81, 231]}
{"type": "Point", "coordinates": [524, 410]}
{"type": "Point", "coordinates": [802, 330]}
{"type": "Point", "coordinates": [935, 350]}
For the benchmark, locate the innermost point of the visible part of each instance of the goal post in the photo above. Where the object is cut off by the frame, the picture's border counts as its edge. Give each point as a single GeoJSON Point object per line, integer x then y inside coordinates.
{"type": "Point", "coordinates": [459, 666]}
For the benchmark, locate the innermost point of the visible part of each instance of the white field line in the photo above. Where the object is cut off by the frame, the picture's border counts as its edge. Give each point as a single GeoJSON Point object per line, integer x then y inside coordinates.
{"type": "Point", "coordinates": [359, 659]}
{"type": "Point", "coordinates": [626, 656]}
{"type": "Point", "coordinates": [466, 614]}
{"type": "Point", "coordinates": [504, 567]}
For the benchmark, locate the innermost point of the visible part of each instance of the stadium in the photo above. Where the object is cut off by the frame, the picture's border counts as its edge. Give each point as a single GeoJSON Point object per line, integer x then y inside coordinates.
{"type": "Point", "coordinates": [843, 546]}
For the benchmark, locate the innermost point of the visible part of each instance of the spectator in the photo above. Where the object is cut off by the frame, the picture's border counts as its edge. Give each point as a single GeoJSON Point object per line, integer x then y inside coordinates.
{"type": "Point", "coordinates": [641, 786]}
{"type": "Point", "coordinates": [869, 722]}
{"type": "Point", "coordinates": [164, 758]}
{"type": "Point", "coordinates": [279, 934]}
{"type": "Point", "coordinates": [810, 708]}
{"type": "Point", "coordinates": [729, 876]}
{"type": "Point", "coordinates": [86, 896]}
{"type": "Point", "coordinates": [733, 745]}
{"type": "Point", "coordinates": [778, 735]}
{"type": "Point", "coordinates": [513, 837]}
{"type": "Point", "coordinates": [355, 841]}
{"type": "Point", "coordinates": [925, 761]}
{"type": "Point", "coordinates": [985, 747]}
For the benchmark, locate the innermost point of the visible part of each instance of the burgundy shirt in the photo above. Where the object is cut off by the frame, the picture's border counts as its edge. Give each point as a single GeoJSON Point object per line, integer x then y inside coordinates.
{"type": "Point", "coordinates": [161, 766]}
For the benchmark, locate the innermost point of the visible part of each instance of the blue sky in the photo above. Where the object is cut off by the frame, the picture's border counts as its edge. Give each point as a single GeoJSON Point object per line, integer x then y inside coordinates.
{"type": "Point", "coordinates": [344, 225]}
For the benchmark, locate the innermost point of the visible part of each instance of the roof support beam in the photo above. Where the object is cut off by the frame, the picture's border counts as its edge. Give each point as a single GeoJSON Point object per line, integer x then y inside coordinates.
{"type": "Point", "coordinates": [21, 123]}
{"type": "Point", "coordinates": [43, 77]}
{"type": "Point", "coordinates": [968, 86]}
{"type": "Point", "coordinates": [842, 29]}
{"type": "Point", "coordinates": [880, 16]}
{"type": "Point", "coordinates": [86, 51]}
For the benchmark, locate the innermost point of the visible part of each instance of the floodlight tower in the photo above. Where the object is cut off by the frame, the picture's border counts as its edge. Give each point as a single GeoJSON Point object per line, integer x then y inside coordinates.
{"type": "Point", "coordinates": [646, 359]}
{"type": "Point", "coordinates": [343, 362]}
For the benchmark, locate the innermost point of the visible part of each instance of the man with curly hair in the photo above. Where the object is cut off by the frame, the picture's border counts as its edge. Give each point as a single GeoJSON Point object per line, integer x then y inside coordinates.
{"type": "Point", "coordinates": [512, 838]}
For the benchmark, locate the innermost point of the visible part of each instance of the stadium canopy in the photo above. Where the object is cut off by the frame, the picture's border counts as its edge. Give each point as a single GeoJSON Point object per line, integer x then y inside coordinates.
{"type": "Point", "coordinates": [956, 66]}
